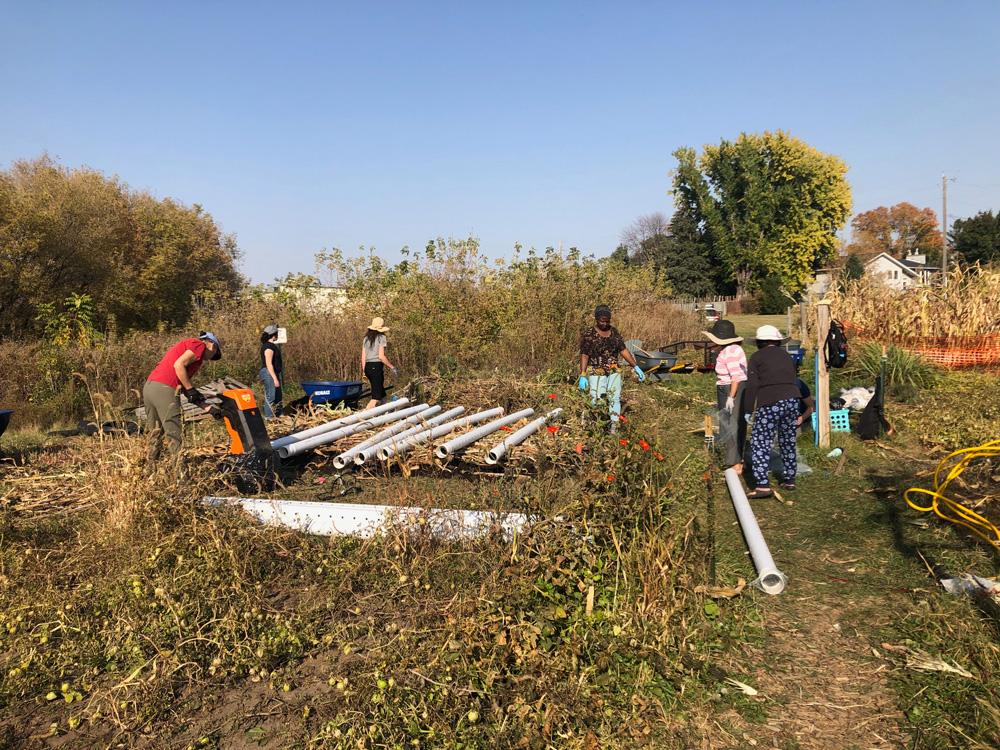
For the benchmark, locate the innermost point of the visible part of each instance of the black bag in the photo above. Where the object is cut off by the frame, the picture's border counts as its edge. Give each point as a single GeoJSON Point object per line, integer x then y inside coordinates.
{"type": "Point", "coordinates": [836, 345]}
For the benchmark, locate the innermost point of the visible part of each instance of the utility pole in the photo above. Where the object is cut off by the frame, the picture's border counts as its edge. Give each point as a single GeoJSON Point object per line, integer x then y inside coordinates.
{"type": "Point", "coordinates": [944, 230]}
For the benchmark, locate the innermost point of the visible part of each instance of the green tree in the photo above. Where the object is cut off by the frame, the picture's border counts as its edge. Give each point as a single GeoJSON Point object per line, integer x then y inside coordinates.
{"type": "Point", "coordinates": [854, 269]}
{"type": "Point", "coordinates": [977, 239]}
{"type": "Point", "coordinates": [142, 261]}
{"type": "Point", "coordinates": [686, 258]}
{"type": "Point", "coordinates": [770, 203]}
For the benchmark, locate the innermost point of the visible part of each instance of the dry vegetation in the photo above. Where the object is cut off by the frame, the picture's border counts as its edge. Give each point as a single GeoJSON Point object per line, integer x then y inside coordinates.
{"type": "Point", "coordinates": [967, 307]}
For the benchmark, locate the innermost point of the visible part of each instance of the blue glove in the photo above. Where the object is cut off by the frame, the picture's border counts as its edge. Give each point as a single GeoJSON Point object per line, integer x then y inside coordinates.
{"type": "Point", "coordinates": [584, 384]}
{"type": "Point", "coordinates": [640, 374]}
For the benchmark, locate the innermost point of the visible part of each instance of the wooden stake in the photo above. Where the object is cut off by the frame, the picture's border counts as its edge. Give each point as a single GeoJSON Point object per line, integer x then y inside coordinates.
{"type": "Point", "coordinates": [823, 377]}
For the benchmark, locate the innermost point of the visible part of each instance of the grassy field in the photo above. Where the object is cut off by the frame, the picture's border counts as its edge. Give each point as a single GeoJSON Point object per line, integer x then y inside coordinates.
{"type": "Point", "coordinates": [130, 616]}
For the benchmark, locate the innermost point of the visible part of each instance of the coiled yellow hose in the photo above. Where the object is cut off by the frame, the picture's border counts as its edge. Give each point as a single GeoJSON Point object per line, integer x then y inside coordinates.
{"type": "Point", "coordinates": [947, 471]}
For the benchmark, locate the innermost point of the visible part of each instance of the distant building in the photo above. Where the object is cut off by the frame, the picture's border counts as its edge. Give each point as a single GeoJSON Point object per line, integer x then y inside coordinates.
{"type": "Point", "coordinates": [900, 274]}
{"type": "Point", "coordinates": [314, 298]}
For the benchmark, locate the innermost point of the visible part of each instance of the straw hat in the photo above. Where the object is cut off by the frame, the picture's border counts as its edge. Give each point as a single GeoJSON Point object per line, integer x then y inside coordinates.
{"type": "Point", "coordinates": [379, 325]}
{"type": "Point", "coordinates": [723, 332]}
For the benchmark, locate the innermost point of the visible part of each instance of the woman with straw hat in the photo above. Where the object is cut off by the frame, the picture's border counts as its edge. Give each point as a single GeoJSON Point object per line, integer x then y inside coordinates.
{"type": "Point", "coordinates": [730, 378]}
{"type": "Point", "coordinates": [373, 359]}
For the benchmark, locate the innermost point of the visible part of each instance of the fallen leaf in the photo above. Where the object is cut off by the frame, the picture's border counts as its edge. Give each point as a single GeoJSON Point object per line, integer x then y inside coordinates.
{"type": "Point", "coordinates": [746, 689]}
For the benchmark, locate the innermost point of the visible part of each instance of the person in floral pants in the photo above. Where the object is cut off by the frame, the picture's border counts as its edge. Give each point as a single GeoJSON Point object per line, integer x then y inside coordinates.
{"type": "Point", "coordinates": [773, 396]}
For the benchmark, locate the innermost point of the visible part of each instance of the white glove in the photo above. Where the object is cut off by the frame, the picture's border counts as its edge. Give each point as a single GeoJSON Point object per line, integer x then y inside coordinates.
{"type": "Point", "coordinates": [730, 404]}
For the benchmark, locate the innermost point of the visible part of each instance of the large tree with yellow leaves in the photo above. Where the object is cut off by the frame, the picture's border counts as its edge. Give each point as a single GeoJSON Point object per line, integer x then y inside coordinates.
{"type": "Point", "coordinates": [770, 203]}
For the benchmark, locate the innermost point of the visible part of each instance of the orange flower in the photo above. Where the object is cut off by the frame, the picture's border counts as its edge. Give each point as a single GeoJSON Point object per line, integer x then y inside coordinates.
{"type": "Point", "coordinates": [623, 441]}
{"type": "Point", "coordinates": [553, 428]}
{"type": "Point", "coordinates": [579, 448]}
{"type": "Point", "coordinates": [505, 428]}
{"type": "Point", "coordinates": [644, 445]}
{"type": "Point", "coordinates": [611, 477]}
{"type": "Point", "coordinates": [657, 455]}
{"type": "Point", "coordinates": [552, 396]}
{"type": "Point", "coordinates": [621, 418]}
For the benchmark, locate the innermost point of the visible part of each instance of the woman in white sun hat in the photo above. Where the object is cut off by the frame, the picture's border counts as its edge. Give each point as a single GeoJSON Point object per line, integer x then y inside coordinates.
{"type": "Point", "coordinates": [773, 396]}
{"type": "Point", "coordinates": [373, 359]}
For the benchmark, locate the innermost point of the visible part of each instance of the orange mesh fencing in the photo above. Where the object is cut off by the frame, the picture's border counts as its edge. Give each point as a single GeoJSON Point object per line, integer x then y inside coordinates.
{"type": "Point", "coordinates": [953, 352]}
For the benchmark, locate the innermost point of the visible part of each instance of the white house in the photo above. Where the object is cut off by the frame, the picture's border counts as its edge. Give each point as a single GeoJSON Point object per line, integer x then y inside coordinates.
{"type": "Point", "coordinates": [900, 274]}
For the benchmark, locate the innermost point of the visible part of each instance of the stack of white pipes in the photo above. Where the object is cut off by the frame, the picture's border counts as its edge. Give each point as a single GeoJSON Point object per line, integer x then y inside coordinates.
{"type": "Point", "coordinates": [331, 436]}
{"type": "Point", "coordinates": [498, 451]}
{"type": "Point", "coordinates": [393, 440]}
{"type": "Point", "coordinates": [387, 452]}
{"type": "Point", "coordinates": [420, 418]}
{"type": "Point", "coordinates": [463, 441]}
{"type": "Point", "coordinates": [341, 422]}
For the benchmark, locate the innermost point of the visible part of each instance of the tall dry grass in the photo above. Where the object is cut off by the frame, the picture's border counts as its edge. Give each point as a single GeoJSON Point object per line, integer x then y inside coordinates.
{"type": "Point", "coordinates": [450, 312]}
{"type": "Point", "coordinates": [968, 306]}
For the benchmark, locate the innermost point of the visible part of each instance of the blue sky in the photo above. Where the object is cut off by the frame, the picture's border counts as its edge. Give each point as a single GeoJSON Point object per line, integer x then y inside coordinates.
{"type": "Point", "coordinates": [309, 126]}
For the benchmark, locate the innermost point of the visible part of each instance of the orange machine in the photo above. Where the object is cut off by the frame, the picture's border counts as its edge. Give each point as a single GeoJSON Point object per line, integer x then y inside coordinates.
{"type": "Point", "coordinates": [252, 462]}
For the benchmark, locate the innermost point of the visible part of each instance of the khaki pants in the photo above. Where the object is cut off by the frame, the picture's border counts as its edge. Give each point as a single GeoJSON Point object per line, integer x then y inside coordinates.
{"type": "Point", "coordinates": [163, 419]}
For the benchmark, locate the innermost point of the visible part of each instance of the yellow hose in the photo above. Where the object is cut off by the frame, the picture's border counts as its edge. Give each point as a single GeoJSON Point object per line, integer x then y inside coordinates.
{"type": "Point", "coordinates": [952, 510]}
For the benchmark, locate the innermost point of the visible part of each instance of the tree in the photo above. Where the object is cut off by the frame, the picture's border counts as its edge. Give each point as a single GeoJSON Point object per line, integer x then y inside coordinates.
{"type": "Point", "coordinates": [645, 235]}
{"type": "Point", "coordinates": [770, 204]}
{"type": "Point", "coordinates": [899, 230]}
{"type": "Point", "coordinates": [977, 239]}
{"type": "Point", "coordinates": [677, 250]}
{"type": "Point", "coordinates": [74, 233]}
{"type": "Point", "coordinates": [854, 269]}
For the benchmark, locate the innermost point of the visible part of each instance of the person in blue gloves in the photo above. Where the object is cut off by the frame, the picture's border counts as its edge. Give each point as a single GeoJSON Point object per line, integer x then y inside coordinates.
{"type": "Point", "coordinates": [600, 348]}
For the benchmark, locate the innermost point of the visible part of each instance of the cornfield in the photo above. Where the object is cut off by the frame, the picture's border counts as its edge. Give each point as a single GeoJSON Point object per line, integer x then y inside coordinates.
{"type": "Point", "coordinates": [968, 306]}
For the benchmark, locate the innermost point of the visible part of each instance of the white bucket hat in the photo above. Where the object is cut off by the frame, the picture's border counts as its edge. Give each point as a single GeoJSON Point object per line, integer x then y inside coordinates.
{"type": "Point", "coordinates": [768, 333]}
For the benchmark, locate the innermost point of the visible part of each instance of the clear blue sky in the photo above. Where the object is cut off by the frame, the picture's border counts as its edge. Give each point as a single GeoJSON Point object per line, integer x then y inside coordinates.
{"type": "Point", "coordinates": [304, 126]}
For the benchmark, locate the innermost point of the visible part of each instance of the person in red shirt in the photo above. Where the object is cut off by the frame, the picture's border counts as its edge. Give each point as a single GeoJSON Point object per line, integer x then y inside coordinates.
{"type": "Point", "coordinates": [161, 394]}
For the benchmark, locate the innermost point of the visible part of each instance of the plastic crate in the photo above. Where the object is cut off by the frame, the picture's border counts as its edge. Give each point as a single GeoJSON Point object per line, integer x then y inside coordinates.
{"type": "Point", "coordinates": [840, 420]}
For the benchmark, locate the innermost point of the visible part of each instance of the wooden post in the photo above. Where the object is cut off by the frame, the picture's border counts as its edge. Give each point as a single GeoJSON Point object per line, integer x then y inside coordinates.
{"type": "Point", "coordinates": [803, 322]}
{"type": "Point", "coordinates": [788, 321]}
{"type": "Point", "coordinates": [823, 376]}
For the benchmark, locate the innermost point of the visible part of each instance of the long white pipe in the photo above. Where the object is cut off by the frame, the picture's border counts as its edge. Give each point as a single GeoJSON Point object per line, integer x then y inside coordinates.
{"type": "Point", "coordinates": [498, 451]}
{"type": "Point", "coordinates": [462, 441]}
{"type": "Point", "coordinates": [302, 446]}
{"type": "Point", "coordinates": [769, 579]}
{"type": "Point", "coordinates": [393, 440]}
{"type": "Point", "coordinates": [387, 452]}
{"type": "Point", "coordinates": [341, 422]}
{"type": "Point", "coordinates": [420, 417]}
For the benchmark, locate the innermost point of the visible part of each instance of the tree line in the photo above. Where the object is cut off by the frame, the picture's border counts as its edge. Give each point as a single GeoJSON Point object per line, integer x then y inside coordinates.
{"type": "Point", "coordinates": [140, 261]}
{"type": "Point", "coordinates": [759, 215]}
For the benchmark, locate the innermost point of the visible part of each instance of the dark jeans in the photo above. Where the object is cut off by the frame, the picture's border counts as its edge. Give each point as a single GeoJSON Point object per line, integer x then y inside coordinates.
{"type": "Point", "coordinates": [375, 372]}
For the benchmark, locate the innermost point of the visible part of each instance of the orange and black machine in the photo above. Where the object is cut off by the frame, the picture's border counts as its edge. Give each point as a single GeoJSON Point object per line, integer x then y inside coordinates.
{"type": "Point", "coordinates": [252, 462]}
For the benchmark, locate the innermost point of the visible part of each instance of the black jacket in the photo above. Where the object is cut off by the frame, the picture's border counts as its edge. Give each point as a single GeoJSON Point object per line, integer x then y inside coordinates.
{"type": "Point", "coordinates": [771, 377]}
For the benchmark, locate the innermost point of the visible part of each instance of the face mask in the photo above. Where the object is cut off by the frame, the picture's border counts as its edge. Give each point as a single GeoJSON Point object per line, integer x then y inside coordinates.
{"type": "Point", "coordinates": [603, 324]}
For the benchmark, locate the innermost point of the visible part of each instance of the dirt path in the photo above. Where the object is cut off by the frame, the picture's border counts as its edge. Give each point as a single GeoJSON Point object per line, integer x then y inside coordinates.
{"type": "Point", "coordinates": [823, 682]}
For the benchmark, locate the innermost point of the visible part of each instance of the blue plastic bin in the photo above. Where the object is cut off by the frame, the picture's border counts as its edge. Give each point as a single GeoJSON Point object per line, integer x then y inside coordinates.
{"type": "Point", "coordinates": [332, 391]}
{"type": "Point", "coordinates": [840, 420]}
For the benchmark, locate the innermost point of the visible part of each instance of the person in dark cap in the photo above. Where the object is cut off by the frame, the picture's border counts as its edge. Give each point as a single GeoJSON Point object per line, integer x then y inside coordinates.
{"type": "Point", "coordinates": [730, 379]}
{"type": "Point", "coordinates": [161, 394]}
{"type": "Point", "coordinates": [600, 347]}
{"type": "Point", "coordinates": [271, 367]}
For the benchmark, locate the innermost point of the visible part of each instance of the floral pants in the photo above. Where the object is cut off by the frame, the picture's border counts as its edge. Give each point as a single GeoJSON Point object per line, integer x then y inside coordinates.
{"type": "Point", "coordinates": [777, 419]}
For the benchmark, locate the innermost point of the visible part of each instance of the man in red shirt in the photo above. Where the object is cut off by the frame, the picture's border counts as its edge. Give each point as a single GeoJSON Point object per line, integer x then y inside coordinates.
{"type": "Point", "coordinates": [161, 394]}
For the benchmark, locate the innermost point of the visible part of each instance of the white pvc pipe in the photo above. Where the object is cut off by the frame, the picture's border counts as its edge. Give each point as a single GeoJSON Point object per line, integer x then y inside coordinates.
{"type": "Point", "coordinates": [420, 417]}
{"type": "Point", "coordinates": [341, 422]}
{"type": "Point", "coordinates": [387, 452]}
{"type": "Point", "coordinates": [302, 446]}
{"type": "Point", "coordinates": [393, 440]}
{"type": "Point", "coordinates": [463, 441]}
{"type": "Point", "coordinates": [770, 580]}
{"type": "Point", "coordinates": [498, 451]}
